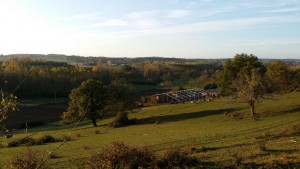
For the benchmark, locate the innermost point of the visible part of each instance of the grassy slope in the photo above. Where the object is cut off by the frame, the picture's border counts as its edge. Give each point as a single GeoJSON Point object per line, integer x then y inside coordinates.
{"type": "Point", "coordinates": [195, 126]}
{"type": "Point", "coordinates": [40, 101]}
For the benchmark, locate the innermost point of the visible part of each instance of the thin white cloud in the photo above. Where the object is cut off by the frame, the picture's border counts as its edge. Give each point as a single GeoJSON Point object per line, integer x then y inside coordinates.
{"type": "Point", "coordinates": [214, 12]}
{"type": "Point", "coordinates": [192, 4]}
{"type": "Point", "coordinates": [283, 10]}
{"type": "Point", "coordinates": [144, 19]}
{"type": "Point", "coordinates": [267, 42]}
{"type": "Point", "coordinates": [148, 23]}
{"type": "Point", "coordinates": [211, 26]}
{"type": "Point", "coordinates": [174, 1]}
{"type": "Point", "coordinates": [142, 14]}
{"type": "Point", "coordinates": [109, 22]}
{"type": "Point", "coordinates": [115, 22]}
{"type": "Point", "coordinates": [85, 16]}
{"type": "Point", "coordinates": [268, 4]}
{"type": "Point", "coordinates": [177, 13]}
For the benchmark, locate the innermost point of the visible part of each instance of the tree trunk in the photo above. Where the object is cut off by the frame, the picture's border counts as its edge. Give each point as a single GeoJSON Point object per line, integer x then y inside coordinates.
{"type": "Point", "coordinates": [94, 122]}
{"type": "Point", "coordinates": [252, 108]}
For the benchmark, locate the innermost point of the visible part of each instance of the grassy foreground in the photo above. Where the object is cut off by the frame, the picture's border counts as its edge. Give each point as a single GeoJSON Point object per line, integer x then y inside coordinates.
{"type": "Point", "coordinates": [218, 133]}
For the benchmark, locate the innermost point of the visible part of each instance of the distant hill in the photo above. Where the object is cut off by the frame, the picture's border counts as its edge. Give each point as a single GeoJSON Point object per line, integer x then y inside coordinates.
{"type": "Point", "coordinates": [92, 60]}
{"type": "Point", "coordinates": [73, 59]}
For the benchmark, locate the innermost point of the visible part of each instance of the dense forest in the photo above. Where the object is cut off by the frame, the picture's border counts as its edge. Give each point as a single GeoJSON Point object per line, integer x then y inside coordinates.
{"type": "Point", "coordinates": [55, 75]}
{"type": "Point", "coordinates": [44, 78]}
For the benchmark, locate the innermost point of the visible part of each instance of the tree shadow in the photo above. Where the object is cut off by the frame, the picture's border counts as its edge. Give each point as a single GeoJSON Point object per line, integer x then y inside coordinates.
{"type": "Point", "coordinates": [281, 151]}
{"type": "Point", "coordinates": [183, 116]}
{"type": "Point", "coordinates": [274, 152]}
{"type": "Point", "coordinates": [272, 164]}
{"type": "Point", "coordinates": [292, 110]}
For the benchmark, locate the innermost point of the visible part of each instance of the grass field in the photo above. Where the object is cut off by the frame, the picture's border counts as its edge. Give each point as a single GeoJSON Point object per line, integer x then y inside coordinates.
{"type": "Point", "coordinates": [35, 102]}
{"type": "Point", "coordinates": [218, 133]}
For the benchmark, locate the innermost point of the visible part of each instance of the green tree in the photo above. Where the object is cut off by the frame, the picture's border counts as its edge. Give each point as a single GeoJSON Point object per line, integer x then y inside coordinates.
{"type": "Point", "coordinates": [87, 101]}
{"type": "Point", "coordinates": [98, 67]}
{"type": "Point", "coordinates": [121, 102]}
{"type": "Point", "coordinates": [280, 75]}
{"type": "Point", "coordinates": [232, 68]}
{"type": "Point", "coordinates": [244, 78]}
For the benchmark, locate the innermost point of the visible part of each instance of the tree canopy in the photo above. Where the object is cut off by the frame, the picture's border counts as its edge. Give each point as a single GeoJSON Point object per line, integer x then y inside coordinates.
{"type": "Point", "coordinates": [88, 101]}
{"type": "Point", "coordinates": [244, 78]}
{"type": "Point", "coordinates": [92, 100]}
{"type": "Point", "coordinates": [232, 69]}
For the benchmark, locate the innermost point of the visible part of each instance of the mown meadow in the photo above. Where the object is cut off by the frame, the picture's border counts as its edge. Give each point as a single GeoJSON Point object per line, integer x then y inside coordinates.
{"type": "Point", "coordinates": [219, 133]}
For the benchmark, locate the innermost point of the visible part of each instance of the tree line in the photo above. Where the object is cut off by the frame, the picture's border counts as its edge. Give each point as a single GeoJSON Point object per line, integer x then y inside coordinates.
{"type": "Point", "coordinates": [49, 79]}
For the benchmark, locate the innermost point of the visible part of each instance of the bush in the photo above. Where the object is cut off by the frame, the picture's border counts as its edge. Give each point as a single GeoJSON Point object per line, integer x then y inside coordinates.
{"type": "Point", "coordinates": [54, 156]}
{"type": "Point", "coordinates": [24, 141]}
{"type": "Point", "coordinates": [177, 158]}
{"type": "Point", "coordinates": [27, 160]}
{"type": "Point", "coordinates": [119, 155]}
{"type": "Point", "coordinates": [48, 139]}
{"type": "Point", "coordinates": [27, 141]}
{"type": "Point", "coordinates": [30, 141]}
{"type": "Point", "coordinates": [122, 120]}
{"type": "Point", "coordinates": [14, 143]}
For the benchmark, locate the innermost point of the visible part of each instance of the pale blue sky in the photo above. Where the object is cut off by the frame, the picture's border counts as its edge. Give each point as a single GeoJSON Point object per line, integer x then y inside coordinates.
{"type": "Point", "coordinates": [139, 28]}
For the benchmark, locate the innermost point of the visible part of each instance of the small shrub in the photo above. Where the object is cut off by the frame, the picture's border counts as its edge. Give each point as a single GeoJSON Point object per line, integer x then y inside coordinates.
{"type": "Point", "coordinates": [24, 141]}
{"type": "Point", "coordinates": [27, 141]}
{"type": "Point", "coordinates": [27, 160]}
{"type": "Point", "coordinates": [85, 147]}
{"type": "Point", "coordinates": [38, 142]}
{"type": "Point", "coordinates": [78, 135]}
{"type": "Point", "coordinates": [119, 155]}
{"type": "Point", "coordinates": [2, 145]}
{"type": "Point", "coordinates": [122, 120]}
{"type": "Point", "coordinates": [54, 156]}
{"type": "Point", "coordinates": [48, 139]}
{"type": "Point", "coordinates": [14, 143]}
{"type": "Point", "coordinates": [97, 132]}
{"type": "Point", "coordinates": [177, 158]}
{"type": "Point", "coordinates": [31, 142]}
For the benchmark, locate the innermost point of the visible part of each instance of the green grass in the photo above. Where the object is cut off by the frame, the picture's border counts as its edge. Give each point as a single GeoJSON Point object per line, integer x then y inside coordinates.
{"type": "Point", "coordinates": [207, 128]}
{"type": "Point", "coordinates": [39, 101]}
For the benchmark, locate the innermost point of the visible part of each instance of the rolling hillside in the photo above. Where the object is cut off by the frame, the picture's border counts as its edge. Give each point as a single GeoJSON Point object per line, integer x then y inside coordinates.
{"type": "Point", "coordinates": [219, 133]}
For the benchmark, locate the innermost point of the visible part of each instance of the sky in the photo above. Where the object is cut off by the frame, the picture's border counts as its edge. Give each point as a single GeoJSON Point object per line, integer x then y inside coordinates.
{"type": "Point", "coordinates": [140, 28]}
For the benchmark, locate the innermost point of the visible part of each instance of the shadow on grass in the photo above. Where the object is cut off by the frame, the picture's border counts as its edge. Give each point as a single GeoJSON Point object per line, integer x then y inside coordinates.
{"type": "Point", "coordinates": [183, 116]}
{"type": "Point", "coordinates": [272, 164]}
{"type": "Point", "coordinates": [282, 151]}
{"type": "Point", "coordinates": [292, 110]}
{"type": "Point", "coordinates": [269, 152]}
